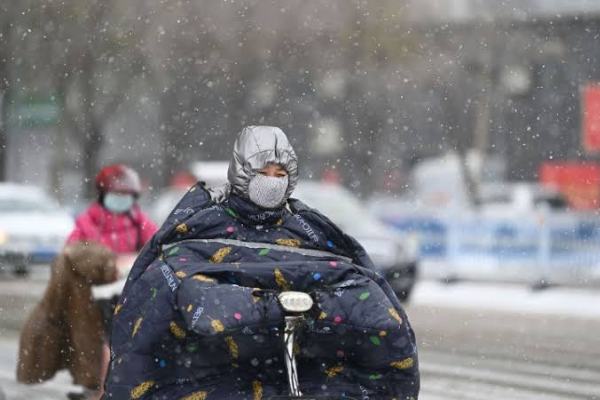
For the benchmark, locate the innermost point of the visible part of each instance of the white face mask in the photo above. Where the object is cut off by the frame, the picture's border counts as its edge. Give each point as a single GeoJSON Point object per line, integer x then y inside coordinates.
{"type": "Point", "coordinates": [267, 191]}
{"type": "Point", "coordinates": [118, 203]}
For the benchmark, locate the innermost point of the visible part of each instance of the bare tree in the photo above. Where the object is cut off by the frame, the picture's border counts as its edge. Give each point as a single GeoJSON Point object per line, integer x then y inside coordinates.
{"type": "Point", "coordinates": [84, 53]}
{"type": "Point", "coordinates": [94, 74]}
{"type": "Point", "coordinates": [211, 67]}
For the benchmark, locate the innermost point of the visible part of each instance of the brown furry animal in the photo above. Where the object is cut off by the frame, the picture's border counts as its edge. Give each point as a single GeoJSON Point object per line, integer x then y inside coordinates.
{"type": "Point", "coordinates": [65, 329]}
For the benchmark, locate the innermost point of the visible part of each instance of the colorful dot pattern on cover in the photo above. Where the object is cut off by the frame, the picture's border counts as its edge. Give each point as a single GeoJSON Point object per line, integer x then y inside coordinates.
{"type": "Point", "coordinates": [193, 325]}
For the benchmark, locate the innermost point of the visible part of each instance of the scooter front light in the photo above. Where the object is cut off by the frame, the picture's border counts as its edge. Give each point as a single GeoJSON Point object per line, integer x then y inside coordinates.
{"type": "Point", "coordinates": [295, 302]}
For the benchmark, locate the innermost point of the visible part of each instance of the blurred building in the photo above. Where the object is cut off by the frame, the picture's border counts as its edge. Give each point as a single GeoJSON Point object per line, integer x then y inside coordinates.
{"type": "Point", "coordinates": [510, 71]}
{"type": "Point", "coordinates": [365, 91]}
{"type": "Point", "coordinates": [489, 10]}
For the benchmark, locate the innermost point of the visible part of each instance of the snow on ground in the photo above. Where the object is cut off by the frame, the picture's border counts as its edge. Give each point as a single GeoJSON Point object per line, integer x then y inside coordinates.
{"type": "Point", "coordinates": [577, 302]}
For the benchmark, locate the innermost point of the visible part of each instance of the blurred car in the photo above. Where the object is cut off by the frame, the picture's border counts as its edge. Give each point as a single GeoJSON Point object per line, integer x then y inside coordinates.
{"type": "Point", "coordinates": [160, 205]}
{"type": "Point", "coordinates": [212, 173]}
{"type": "Point", "coordinates": [519, 197]}
{"type": "Point", "coordinates": [33, 228]}
{"type": "Point", "coordinates": [394, 254]}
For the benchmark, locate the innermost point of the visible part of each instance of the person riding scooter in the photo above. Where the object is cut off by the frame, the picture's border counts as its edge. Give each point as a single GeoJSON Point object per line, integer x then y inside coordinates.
{"type": "Point", "coordinates": [116, 221]}
{"type": "Point", "coordinates": [202, 316]}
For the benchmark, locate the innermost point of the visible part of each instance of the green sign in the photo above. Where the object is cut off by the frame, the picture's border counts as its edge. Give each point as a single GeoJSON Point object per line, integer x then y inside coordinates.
{"type": "Point", "coordinates": [33, 111]}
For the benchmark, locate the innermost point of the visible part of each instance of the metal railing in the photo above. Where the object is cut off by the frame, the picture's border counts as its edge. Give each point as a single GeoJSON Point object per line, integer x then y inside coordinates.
{"type": "Point", "coordinates": [539, 246]}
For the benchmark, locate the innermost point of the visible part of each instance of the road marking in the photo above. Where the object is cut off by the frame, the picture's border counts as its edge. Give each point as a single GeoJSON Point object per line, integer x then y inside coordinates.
{"type": "Point", "coordinates": [570, 390]}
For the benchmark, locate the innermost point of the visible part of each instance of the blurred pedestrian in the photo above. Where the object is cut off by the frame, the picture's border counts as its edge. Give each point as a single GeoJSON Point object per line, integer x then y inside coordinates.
{"type": "Point", "coordinates": [116, 221]}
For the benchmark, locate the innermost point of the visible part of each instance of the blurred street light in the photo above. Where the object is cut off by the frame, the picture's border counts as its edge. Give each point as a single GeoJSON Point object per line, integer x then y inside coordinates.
{"type": "Point", "coordinates": [516, 80]}
{"type": "Point", "coordinates": [327, 137]}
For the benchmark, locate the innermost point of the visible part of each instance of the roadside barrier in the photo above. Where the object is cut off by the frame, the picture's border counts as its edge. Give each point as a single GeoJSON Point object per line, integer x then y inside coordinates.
{"type": "Point", "coordinates": [542, 246]}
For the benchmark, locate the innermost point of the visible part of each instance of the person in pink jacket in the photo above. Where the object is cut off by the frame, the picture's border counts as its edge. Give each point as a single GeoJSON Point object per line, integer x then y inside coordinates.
{"type": "Point", "coordinates": [117, 222]}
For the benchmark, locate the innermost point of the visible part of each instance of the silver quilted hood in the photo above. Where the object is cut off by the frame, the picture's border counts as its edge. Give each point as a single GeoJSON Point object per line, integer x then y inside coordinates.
{"type": "Point", "coordinates": [254, 149]}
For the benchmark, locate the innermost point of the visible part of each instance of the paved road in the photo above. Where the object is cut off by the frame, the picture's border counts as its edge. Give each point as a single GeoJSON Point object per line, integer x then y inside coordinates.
{"type": "Point", "coordinates": [483, 355]}
{"type": "Point", "coordinates": [54, 390]}
{"type": "Point", "coordinates": [466, 353]}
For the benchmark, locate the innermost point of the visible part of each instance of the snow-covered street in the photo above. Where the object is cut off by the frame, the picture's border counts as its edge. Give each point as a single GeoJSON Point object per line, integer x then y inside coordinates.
{"type": "Point", "coordinates": [484, 354]}
{"type": "Point", "coordinates": [476, 341]}
{"type": "Point", "coordinates": [511, 298]}
{"type": "Point", "coordinates": [494, 341]}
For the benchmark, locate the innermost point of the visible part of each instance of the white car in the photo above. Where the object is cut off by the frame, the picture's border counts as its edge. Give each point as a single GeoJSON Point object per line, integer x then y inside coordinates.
{"type": "Point", "coordinates": [510, 198]}
{"type": "Point", "coordinates": [394, 254]}
{"type": "Point", "coordinates": [160, 206]}
{"type": "Point", "coordinates": [33, 228]}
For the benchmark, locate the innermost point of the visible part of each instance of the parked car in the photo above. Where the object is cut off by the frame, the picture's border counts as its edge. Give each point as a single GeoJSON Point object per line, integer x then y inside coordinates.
{"type": "Point", "coordinates": [509, 198]}
{"type": "Point", "coordinates": [394, 254]}
{"type": "Point", "coordinates": [33, 228]}
{"type": "Point", "coordinates": [162, 203]}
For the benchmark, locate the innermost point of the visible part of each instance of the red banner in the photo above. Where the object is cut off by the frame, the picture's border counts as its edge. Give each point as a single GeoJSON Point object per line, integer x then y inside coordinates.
{"type": "Point", "coordinates": [591, 117]}
{"type": "Point", "coordinates": [578, 182]}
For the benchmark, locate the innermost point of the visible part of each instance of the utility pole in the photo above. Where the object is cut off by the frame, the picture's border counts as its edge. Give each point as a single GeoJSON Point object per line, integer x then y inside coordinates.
{"type": "Point", "coordinates": [9, 13]}
{"type": "Point", "coordinates": [485, 68]}
{"type": "Point", "coordinates": [3, 132]}
{"type": "Point", "coordinates": [5, 28]}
